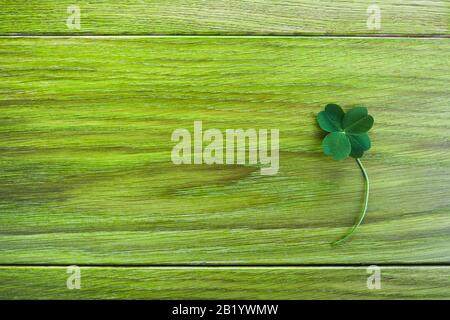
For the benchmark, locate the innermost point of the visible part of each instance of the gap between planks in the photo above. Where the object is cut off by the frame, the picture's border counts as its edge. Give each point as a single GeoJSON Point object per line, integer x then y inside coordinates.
{"type": "Point", "coordinates": [230, 266]}
{"type": "Point", "coordinates": [99, 36]}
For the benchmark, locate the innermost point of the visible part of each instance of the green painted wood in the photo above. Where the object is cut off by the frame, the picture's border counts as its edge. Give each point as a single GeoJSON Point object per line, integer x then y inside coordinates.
{"type": "Point", "coordinates": [225, 17]}
{"type": "Point", "coordinates": [225, 283]}
{"type": "Point", "coordinates": [86, 175]}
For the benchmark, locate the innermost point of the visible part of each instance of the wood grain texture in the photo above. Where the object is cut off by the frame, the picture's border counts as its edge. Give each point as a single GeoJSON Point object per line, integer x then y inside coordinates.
{"type": "Point", "coordinates": [86, 175]}
{"type": "Point", "coordinates": [187, 17]}
{"type": "Point", "coordinates": [225, 283]}
{"type": "Point", "coordinates": [85, 171]}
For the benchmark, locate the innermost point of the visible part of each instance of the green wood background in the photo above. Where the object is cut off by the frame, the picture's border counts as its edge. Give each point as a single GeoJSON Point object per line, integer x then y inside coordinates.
{"type": "Point", "coordinates": [216, 17]}
{"type": "Point", "coordinates": [225, 283]}
{"type": "Point", "coordinates": [85, 171]}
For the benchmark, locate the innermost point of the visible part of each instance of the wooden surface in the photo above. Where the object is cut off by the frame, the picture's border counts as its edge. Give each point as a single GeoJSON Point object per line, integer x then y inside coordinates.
{"type": "Point", "coordinates": [225, 283]}
{"type": "Point", "coordinates": [85, 141]}
{"type": "Point", "coordinates": [215, 17]}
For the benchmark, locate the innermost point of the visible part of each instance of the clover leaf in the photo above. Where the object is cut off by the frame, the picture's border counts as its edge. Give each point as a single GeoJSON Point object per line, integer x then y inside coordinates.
{"type": "Point", "coordinates": [331, 119]}
{"type": "Point", "coordinates": [357, 120]}
{"type": "Point", "coordinates": [337, 145]}
{"type": "Point", "coordinates": [347, 136]}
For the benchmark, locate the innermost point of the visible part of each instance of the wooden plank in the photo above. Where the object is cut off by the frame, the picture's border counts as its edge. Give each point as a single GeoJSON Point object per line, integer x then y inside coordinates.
{"type": "Point", "coordinates": [225, 283]}
{"type": "Point", "coordinates": [181, 17]}
{"type": "Point", "coordinates": [86, 175]}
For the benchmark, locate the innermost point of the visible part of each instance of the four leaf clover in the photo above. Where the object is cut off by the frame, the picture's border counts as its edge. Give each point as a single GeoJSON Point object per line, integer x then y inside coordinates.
{"type": "Point", "coordinates": [347, 131]}
{"type": "Point", "coordinates": [347, 136]}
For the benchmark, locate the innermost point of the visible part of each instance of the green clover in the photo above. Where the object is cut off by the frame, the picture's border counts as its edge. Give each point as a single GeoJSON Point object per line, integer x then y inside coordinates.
{"type": "Point", "coordinates": [347, 136]}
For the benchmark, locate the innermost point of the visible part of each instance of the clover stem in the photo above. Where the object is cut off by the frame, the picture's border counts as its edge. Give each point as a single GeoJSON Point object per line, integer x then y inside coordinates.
{"type": "Point", "coordinates": [364, 208]}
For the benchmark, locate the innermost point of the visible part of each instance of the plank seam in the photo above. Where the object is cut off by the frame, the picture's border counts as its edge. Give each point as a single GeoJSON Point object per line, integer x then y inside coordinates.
{"type": "Point", "coordinates": [362, 265]}
{"type": "Point", "coordinates": [234, 268]}
{"type": "Point", "coordinates": [99, 36]}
